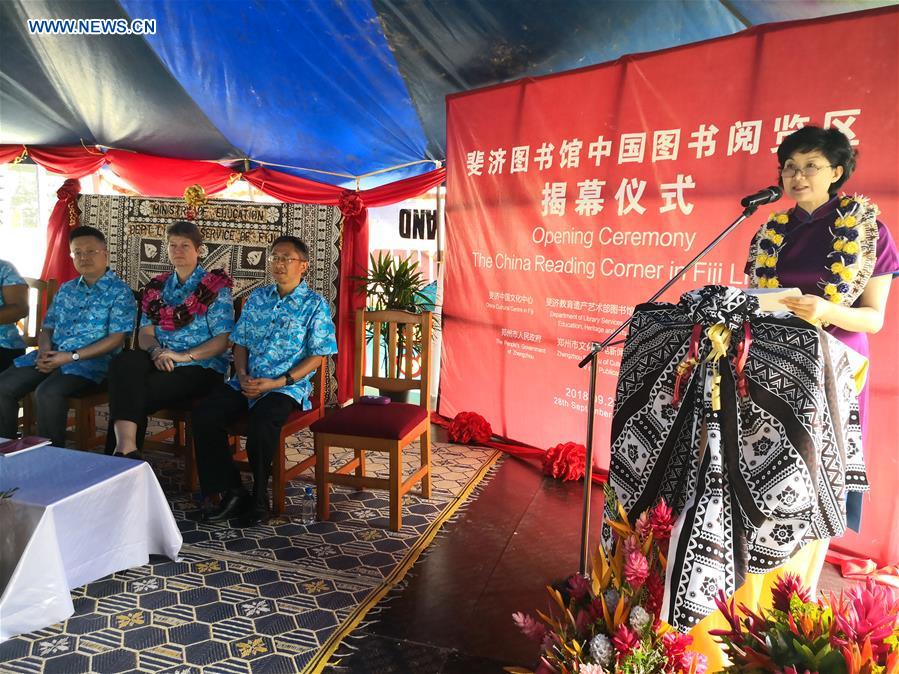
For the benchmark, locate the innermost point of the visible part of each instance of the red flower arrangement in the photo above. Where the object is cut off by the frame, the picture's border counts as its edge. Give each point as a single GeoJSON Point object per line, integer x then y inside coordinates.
{"type": "Point", "coordinates": [856, 632]}
{"type": "Point", "coordinates": [469, 427]}
{"type": "Point", "coordinates": [567, 461]}
{"type": "Point", "coordinates": [197, 303]}
{"type": "Point", "coordinates": [609, 623]}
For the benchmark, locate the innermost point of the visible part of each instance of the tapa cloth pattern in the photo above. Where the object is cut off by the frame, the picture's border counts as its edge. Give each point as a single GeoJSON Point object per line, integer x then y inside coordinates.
{"type": "Point", "coordinates": [237, 235]}
{"type": "Point", "coordinates": [757, 479]}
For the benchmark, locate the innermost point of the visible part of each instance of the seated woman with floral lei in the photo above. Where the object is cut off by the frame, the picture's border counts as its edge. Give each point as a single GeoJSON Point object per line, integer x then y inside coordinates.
{"type": "Point", "coordinates": [187, 316]}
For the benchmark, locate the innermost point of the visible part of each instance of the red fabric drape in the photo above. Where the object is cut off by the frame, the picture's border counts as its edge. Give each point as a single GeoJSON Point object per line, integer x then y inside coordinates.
{"type": "Point", "coordinates": [71, 162]}
{"type": "Point", "coordinates": [66, 214]}
{"type": "Point", "coordinates": [10, 152]}
{"type": "Point", "coordinates": [163, 177]}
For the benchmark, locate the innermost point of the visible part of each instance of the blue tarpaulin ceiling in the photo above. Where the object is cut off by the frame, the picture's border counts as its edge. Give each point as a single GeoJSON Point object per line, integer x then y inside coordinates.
{"type": "Point", "coordinates": [344, 86]}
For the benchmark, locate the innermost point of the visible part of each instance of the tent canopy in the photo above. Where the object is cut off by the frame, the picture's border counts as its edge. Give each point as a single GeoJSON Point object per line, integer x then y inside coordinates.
{"type": "Point", "coordinates": [348, 87]}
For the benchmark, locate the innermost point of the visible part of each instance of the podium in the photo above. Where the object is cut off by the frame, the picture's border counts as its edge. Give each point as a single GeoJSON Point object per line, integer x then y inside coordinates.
{"type": "Point", "coordinates": [746, 423]}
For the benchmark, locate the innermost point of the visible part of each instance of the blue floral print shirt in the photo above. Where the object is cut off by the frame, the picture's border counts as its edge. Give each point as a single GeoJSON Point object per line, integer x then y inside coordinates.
{"type": "Point", "coordinates": [279, 332]}
{"type": "Point", "coordinates": [9, 334]}
{"type": "Point", "coordinates": [81, 315]}
{"type": "Point", "coordinates": [218, 319]}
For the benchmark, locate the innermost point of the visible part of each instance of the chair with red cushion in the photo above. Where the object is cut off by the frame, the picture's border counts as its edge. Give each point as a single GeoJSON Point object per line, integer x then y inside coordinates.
{"type": "Point", "coordinates": [381, 428]}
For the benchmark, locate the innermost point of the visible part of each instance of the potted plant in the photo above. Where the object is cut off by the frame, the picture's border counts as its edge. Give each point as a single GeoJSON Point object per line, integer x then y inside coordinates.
{"type": "Point", "coordinates": [393, 284]}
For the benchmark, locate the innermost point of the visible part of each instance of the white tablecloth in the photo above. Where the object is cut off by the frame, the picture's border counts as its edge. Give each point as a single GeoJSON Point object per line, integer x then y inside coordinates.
{"type": "Point", "coordinates": [76, 517]}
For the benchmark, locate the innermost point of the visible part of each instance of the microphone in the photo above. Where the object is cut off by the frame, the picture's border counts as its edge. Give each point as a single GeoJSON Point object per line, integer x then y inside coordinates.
{"type": "Point", "coordinates": [766, 196]}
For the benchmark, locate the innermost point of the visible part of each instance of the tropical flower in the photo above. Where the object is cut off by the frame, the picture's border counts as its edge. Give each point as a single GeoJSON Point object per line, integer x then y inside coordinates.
{"type": "Point", "coordinates": [625, 640]}
{"type": "Point", "coordinates": [533, 630]}
{"type": "Point", "coordinates": [640, 618]}
{"type": "Point", "coordinates": [636, 569]}
{"type": "Point", "coordinates": [601, 650]}
{"type": "Point", "coordinates": [856, 632]}
{"type": "Point", "coordinates": [784, 589]}
{"type": "Point", "coordinates": [608, 624]}
{"type": "Point", "coordinates": [661, 519]}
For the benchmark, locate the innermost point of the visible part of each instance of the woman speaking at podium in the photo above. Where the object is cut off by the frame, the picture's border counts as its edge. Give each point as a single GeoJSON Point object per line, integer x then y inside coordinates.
{"type": "Point", "coordinates": [833, 249]}
{"type": "Point", "coordinates": [830, 247]}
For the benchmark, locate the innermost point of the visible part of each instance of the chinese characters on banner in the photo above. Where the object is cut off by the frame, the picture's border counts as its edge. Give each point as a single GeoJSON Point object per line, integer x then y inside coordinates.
{"type": "Point", "coordinates": [574, 197]}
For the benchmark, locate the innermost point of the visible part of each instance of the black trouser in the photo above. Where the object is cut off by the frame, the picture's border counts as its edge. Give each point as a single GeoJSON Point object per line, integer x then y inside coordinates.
{"type": "Point", "coordinates": [265, 419]}
{"type": "Point", "coordinates": [137, 388]}
{"type": "Point", "coordinates": [50, 391]}
{"type": "Point", "coordinates": [7, 356]}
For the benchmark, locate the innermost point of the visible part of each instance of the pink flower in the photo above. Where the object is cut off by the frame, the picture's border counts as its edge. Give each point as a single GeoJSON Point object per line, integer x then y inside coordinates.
{"type": "Point", "coordinates": [688, 658]}
{"type": "Point", "coordinates": [871, 612]}
{"type": "Point", "coordinates": [661, 519]}
{"type": "Point", "coordinates": [655, 590]}
{"type": "Point", "coordinates": [643, 526]}
{"type": "Point", "coordinates": [636, 569]}
{"type": "Point", "coordinates": [631, 544]}
{"type": "Point", "coordinates": [583, 620]}
{"type": "Point", "coordinates": [624, 640]}
{"type": "Point", "coordinates": [529, 626]}
{"type": "Point", "coordinates": [675, 645]}
{"type": "Point", "coordinates": [785, 587]}
{"type": "Point", "coordinates": [584, 668]}
{"type": "Point", "coordinates": [578, 586]}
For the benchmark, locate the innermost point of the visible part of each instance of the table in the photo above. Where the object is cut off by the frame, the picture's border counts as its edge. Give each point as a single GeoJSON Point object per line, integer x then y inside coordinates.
{"type": "Point", "coordinates": [76, 517]}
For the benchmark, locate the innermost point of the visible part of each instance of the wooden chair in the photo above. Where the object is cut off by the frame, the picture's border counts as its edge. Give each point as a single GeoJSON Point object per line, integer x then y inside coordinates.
{"type": "Point", "coordinates": [296, 422]}
{"type": "Point", "coordinates": [40, 295]}
{"type": "Point", "coordinates": [385, 428]}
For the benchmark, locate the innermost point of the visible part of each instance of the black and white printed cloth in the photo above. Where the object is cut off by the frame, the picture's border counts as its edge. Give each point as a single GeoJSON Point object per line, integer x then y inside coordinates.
{"type": "Point", "coordinates": [754, 481]}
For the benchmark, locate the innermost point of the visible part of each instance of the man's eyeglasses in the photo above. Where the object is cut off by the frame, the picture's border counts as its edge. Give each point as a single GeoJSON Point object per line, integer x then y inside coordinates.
{"type": "Point", "coordinates": [277, 259]}
{"type": "Point", "coordinates": [84, 253]}
{"type": "Point", "coordinates": [808, 171]}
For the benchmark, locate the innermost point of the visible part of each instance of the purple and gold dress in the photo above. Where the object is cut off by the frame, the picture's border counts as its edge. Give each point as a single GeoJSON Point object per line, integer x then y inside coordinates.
{"type": "Point", "coordinates": [803, 263]}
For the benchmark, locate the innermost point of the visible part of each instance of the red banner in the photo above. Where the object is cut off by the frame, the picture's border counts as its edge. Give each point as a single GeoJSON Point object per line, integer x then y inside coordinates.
{"type": "Point", "coordinates": [572, 198]}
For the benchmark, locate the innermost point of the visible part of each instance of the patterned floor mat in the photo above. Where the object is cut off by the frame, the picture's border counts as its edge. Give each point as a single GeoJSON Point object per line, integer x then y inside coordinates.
{"type": "Point", "coordinates": [277, 597]}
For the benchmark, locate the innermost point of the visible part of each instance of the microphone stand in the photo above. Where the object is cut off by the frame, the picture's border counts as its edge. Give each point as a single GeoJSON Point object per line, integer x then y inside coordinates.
{"type": "Point", "coordinates": [599, 347]}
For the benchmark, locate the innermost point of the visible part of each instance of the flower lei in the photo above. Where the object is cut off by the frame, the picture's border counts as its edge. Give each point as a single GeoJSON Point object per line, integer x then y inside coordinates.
{"type": "Point", "coordinates": [844, 253]}
{"type": "Point", "coordinates": [170, 317]}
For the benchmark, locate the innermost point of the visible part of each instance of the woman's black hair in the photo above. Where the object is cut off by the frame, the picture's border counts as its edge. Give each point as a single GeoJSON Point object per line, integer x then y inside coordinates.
{"type": "Point", "coordinates": [832, 143]}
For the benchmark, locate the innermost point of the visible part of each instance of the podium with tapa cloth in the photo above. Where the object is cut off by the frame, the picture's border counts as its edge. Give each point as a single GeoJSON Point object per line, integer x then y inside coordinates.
{"type": "Point", "coordinates": [746, 423]}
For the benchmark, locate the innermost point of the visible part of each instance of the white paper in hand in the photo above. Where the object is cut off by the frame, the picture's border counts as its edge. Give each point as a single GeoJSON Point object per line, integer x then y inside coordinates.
{"type": "Point", "coordinates": [769, 298]}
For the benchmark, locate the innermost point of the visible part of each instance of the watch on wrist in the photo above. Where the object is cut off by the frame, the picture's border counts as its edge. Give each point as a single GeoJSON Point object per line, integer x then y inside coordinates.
{"type": "Point", "coordinates": [288, 379]}
{"type": "Point", "coordinates": [76, 355]}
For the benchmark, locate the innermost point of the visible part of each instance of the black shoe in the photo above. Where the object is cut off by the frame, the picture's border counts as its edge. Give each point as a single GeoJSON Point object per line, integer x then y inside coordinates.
{"type": "Point", "coordinates": [258, 514]}
{"type": "Point", "coordinates": [233, 504]}
{"type": "Point", "coordinates": [136, 455]}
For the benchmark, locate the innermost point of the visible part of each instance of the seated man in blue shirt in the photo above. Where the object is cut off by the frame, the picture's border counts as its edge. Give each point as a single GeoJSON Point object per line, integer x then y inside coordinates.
{"type": "Point", "coordinates": [282, 331]}
{"type": "Point", "coordinates": [84, 326]}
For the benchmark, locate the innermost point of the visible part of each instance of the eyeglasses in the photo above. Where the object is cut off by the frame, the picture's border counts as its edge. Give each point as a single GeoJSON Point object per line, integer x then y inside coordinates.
{"type": "Point", "coordinates": [809, 171]}
{"type": "Point", "coordinates": [84, 253]}
{"type": "Point", "coordinates": [277, 259]}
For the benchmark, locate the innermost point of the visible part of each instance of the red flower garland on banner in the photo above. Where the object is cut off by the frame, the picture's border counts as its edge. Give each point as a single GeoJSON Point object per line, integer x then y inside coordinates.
{"type": "Point", "coordinates": [197, 303]}
{"type": "Point", "coordinates": [566, 461]}
{"type": "Point", "coordinates": [469, 427]}
{"type": "Point", "coordinates": [350, 204]}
